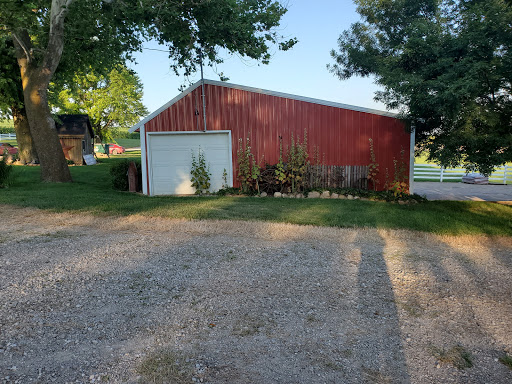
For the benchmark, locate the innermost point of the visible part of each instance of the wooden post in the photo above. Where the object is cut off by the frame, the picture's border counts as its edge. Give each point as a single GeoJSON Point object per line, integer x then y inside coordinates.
{"type": "Point", "coordinates": [132, 177]}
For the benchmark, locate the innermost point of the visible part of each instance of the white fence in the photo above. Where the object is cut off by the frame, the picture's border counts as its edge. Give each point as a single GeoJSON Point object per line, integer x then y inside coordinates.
{"type": "Point", "coordinates": [435, 172]}
{"type": "Point", "coordinates": [7, 136]}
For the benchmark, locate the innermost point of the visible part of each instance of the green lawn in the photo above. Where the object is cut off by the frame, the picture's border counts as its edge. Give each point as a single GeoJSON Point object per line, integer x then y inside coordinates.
{"type": "Point", "coordinates": [128, 143]}
{"type": "Point", "coordinates": [14, 143]}
{"type": "Point", "coordinates": [91, 192]}
{"type": "Point", "coordinates": [8, 123]}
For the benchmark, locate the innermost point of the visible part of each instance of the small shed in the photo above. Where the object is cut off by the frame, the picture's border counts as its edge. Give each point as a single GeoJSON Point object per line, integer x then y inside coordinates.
{"type": "Point", "coordinates": [76, 136]}
{"type": "Point", "coordinates": [339, 133]}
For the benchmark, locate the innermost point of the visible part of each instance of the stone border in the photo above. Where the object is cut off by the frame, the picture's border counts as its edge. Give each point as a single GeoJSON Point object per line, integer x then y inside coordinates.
{"type": "Point", "coordinates": [329, 195]}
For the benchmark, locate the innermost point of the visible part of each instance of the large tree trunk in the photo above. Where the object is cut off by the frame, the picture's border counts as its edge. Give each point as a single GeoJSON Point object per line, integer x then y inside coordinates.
{"type": "Point", "coordinates": [36, 74]}
{"type": "Point", "coordinates": [54, 167]}
{"type": "Point", "coordinates": [26, 149]}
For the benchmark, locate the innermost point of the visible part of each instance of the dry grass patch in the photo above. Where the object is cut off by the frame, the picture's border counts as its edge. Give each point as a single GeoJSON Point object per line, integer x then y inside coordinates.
{"type": "Point", "coordinates": [506, 360]}
{"type": "Point", "coordinates": [374, 376]}
{"type": "Point", "coordinates": [248, 326]}
{"type": "Point", "coordinates": [165, 367]}
{"type": "Point", "coordinates": [457, 356]}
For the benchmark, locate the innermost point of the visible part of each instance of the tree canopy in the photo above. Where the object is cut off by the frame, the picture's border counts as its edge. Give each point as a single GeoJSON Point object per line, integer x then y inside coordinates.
{"type": "Point", "coordinates": [10, 84]}
{"type": "Point", "coordinates": [111, 101]}
{"type": "Point", "coordinates": [66, 33]}
{"type": "Point", "coordinates": [446, 65]}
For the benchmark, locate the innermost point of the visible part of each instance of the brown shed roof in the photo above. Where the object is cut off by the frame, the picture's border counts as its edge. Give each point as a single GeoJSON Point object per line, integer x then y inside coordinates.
{"type": "Point", "coordinates": [74, 125]}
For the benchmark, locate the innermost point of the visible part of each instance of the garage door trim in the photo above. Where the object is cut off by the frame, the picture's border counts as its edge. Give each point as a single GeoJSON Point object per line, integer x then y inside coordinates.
{"type": "Point", "coordinates": [167, 133]}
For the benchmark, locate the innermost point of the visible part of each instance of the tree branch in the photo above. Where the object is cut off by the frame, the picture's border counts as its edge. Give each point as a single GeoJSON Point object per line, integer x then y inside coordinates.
{"type": "Point", "coordinates": [59, 10]}
{"type": "Point", "coordinates": [22, 45]}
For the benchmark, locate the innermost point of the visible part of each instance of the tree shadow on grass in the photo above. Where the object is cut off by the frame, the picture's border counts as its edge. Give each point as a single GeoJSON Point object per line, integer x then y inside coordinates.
{"type": "Point", "coordinates": [95, 195]}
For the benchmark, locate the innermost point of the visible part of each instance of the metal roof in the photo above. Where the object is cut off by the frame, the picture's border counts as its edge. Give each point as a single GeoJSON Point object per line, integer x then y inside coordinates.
{"type": "Point", "coordinates": [261, 91]}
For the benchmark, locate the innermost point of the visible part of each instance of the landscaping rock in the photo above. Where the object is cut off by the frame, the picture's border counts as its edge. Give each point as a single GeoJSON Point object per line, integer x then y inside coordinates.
{"type": "Point", "coordinates": [350, 197]}
{"type": "Point", "coordinates": [314, 195]}
{"type": "Point", "coordinates": [356, 198]}
{"type": "Point", "coordinates": [263, 194]}
{"type": "Point", "coordinates": [402, 202]}
{"type": "Point", "coordinates": [284, 195]}
{"type": "Point", "coordinates": [277, 194]}
{"type": "Point", "coordinates": [299, 196]}
{"type": "Point", "coordinates": [325, 195]}
{"type": "Point", "coordinates": [343, 197]}
{"type": "Point", "coordinates": [335, 196]}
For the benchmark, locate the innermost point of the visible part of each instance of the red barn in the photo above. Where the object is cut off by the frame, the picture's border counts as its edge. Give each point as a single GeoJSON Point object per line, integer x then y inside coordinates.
{"type": "Point", "coordinates": [170, 135]}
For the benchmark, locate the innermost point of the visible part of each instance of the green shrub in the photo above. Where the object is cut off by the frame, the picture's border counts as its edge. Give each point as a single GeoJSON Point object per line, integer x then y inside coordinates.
{"type": "Point", "coordinates": [119, 174]}
{"type": "Point", "coordinates": [228, 191]}
{"type": "Point", "coordinates": [6, 174]}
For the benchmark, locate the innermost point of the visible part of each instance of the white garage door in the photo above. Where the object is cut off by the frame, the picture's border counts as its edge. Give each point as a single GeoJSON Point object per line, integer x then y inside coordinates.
{"type": "Point", "coordinates": [170, 159]}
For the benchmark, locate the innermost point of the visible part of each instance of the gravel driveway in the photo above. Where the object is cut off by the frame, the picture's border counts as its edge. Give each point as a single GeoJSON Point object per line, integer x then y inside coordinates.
{"type": "Point", "coordinates": [461, 191]}
{"type": "Point", "coordinates": [87, 299]}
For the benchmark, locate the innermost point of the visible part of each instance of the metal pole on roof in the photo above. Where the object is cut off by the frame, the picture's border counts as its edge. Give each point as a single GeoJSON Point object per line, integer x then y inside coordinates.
{"type": "Point", "coordinates": [202, 87]}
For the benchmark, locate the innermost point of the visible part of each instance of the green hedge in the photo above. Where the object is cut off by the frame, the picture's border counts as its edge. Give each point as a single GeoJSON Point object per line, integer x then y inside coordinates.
{"type": "Point", "coordinates": [122, 133]}
{"type": "Point", "coordinates": [6, 130]}
{"type": "Point", "coordinates": [5, 174]}
{"type": "Point", "coordinates": [119, 174]}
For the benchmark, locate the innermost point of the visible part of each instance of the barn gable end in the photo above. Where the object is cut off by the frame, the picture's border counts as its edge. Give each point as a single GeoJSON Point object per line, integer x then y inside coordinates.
{"type": "Point", "coordinates": [340, 133]}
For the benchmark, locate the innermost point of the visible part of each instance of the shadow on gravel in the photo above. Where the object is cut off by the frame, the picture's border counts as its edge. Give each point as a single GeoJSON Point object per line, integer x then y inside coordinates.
{"type": "Point", "coordinates": [379, 349]}
{"type": "Point", "coordinates": [459, 290]}
{"type": "Point", "coordinates": [260, 304]}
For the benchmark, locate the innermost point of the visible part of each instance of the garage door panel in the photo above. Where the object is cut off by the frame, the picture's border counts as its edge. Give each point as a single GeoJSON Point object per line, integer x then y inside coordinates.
{"type": "Point", "coordinates": [171, 160]}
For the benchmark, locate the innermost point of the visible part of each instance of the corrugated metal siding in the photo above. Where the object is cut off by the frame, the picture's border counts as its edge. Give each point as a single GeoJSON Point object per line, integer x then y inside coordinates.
{"type": "Point", "coordinates": [341, 135]}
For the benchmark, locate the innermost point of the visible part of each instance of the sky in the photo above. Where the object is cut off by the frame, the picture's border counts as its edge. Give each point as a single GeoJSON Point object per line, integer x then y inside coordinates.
{"type": "Point", "coordinates": [300, 71]}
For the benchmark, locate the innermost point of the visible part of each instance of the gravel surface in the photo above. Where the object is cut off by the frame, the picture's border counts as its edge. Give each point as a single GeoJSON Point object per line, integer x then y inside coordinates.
{"type": "Point", "coordinates": [88, 300]}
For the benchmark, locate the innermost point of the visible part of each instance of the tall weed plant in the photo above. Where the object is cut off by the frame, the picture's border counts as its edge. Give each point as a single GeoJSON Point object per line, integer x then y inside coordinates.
{"type": "Point", "coordinates": [399, 185]}
{"type": "Point", "coordinates": [248, 169]}
{"type": "Point", "coordinates": [200, 173]}
{"type": "Point", "coordinates": [298, 161]}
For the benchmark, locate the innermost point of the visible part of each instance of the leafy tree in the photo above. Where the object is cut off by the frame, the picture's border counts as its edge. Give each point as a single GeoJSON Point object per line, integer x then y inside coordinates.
{"type": "Point", "coordinates": [43, 32]}
{"type": "Point", "coordinates": [103, 50]}
{"type": "Point", "coordinates": [446, 65]}
{"type": "Point", "coordinates": [111, 101]}
{"type": "Point", "coordinates": [37, 30]}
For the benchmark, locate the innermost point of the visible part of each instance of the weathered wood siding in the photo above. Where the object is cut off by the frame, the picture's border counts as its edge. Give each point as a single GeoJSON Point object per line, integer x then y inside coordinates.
{"type": "Point", "coordinates": [76, 154]}
{"type": "Point", "coordinates": [335, 176]}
